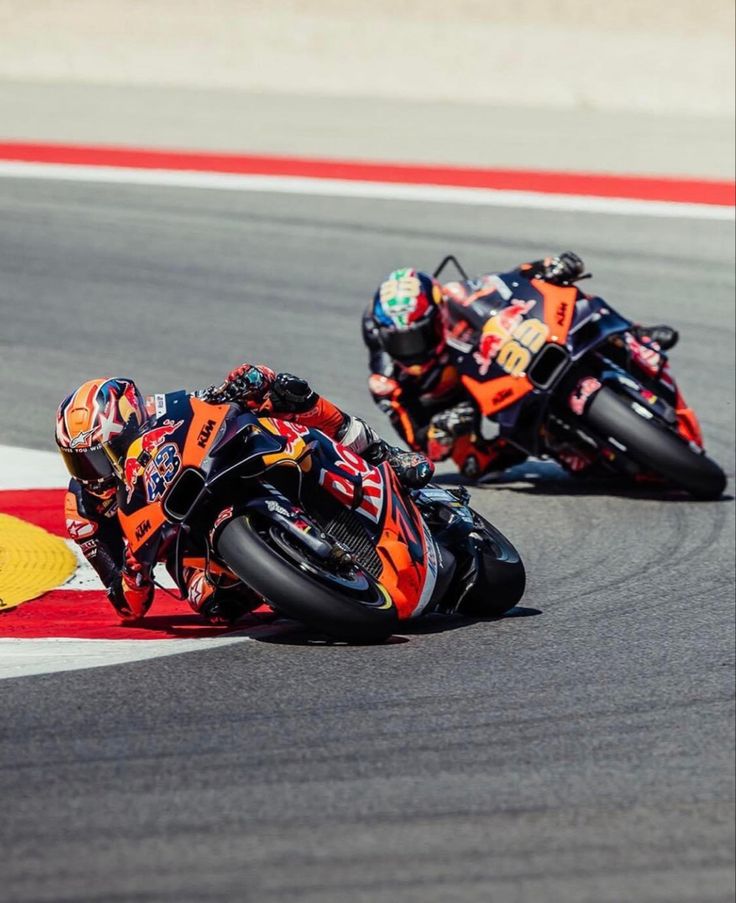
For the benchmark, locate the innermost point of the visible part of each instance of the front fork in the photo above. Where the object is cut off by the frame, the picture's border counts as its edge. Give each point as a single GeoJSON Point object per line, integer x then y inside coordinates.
{"type": "Point", "coordinates": [276, 508]}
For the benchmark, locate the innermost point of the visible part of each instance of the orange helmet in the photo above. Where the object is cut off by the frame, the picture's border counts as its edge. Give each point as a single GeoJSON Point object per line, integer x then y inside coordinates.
{"type": "Point", "coordinates": [94, 427]}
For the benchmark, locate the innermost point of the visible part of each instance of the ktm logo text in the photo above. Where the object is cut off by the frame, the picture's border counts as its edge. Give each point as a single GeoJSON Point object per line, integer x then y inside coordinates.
{"type": "Point", "coordinates": [205, 433]}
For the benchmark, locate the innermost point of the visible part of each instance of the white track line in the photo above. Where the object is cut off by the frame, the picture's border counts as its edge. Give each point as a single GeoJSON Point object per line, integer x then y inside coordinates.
{"type": "Point", "coordinates": [369, 190]}
{"type": "Point", "coordinates": [25, 657]}
{"type": "Point", "coordinates": [29, 468]}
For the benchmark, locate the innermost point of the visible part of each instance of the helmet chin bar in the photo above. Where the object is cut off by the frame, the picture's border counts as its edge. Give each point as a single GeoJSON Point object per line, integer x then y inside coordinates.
{"type": "Point", "coordinates": [413, 344]}
{"type": "Point", "coordinates": [102, 489]}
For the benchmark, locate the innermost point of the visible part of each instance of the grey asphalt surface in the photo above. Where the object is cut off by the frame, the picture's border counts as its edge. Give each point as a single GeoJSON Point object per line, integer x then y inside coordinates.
{"type": "Point", "coordinates": [581, 750]}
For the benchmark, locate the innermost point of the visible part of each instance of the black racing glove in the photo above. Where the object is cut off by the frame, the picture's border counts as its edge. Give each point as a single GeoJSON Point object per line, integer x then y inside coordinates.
{"type": "Point", "coordinates": [292, 394]}
{"type": "Point", "coordinates": [246, 385]}
{"type": "Point", "coordinates": [563, 269]}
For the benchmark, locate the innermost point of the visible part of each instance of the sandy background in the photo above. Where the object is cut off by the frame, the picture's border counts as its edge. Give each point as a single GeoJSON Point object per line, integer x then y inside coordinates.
{"type": "Point", "coordinates": [642, 87]}
{"type": "Point", "coordinates": [667, 56]}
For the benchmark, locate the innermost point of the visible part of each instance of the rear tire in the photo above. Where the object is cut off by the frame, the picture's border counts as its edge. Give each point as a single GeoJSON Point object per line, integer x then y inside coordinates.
{"type": "Point", "coordinates": [653, 445]}
{"type": "Point", "coordinates": [299, 594]}
{"type": "Point", "coordinates": [502, 579]}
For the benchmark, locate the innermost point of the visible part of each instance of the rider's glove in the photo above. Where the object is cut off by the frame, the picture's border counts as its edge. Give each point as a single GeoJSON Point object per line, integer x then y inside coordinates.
{"type": "Point", "coordinates": [291, 394]}
{"type": "Point", "coordinates": [246, 385]}
{"type": "Point", "coordinates": [381, 386]}
{"type": "Point", "coordinates": [563, 269]}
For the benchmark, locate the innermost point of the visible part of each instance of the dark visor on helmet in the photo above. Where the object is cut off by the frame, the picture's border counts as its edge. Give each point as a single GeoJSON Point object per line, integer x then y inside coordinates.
{"type": "Point", "coordinates": [412, 344]}
{"type": "Point", "coordinates": [90, 465]}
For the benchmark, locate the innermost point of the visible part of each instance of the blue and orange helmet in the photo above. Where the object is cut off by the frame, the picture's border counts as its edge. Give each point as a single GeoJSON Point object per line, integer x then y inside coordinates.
{"type": "Point", "coordinates": [407, 311]}
{"type": "Point", "coordinates": [94, 427]}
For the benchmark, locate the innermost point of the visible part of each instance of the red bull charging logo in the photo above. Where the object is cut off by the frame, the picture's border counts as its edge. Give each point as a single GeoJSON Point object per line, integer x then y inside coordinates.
{"type": "Point", "coordinates": [497, 331]}
{"type": "Point", "coordinates": [142, 450]}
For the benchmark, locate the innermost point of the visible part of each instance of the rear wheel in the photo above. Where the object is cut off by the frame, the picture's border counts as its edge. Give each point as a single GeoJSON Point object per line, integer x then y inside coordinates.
{"type": "Point", "coordinates": [348, 604]}
{"type": "Point", "coordinates": [502, 578]}
{"type": "Point", "coordinates": [651, 444]}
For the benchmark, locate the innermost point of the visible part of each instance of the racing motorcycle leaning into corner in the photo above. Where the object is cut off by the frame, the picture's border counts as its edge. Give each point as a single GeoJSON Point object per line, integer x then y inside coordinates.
{"type": "Point", "coordinates": [567, 377]}
{"type": "Point", "coordinates": [303, 523]}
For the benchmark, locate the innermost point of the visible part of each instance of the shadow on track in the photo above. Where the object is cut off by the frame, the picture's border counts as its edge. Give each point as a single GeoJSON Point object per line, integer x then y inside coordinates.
{"type": "Point", "coordinates": [193, 626]}
{"type": "Point", "coordinates": [546, 478]}
{"type": "Point", "coordinates": [290, 633]}
{"type": "Point", "coordinates": [268, 627]}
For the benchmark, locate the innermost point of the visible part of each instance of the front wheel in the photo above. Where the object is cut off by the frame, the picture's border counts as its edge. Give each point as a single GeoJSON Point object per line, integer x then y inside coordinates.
{"type": "Point", "coordinates": [501, 579]}
{"type": "Point", "coordinates": [349, 606]}
{"type": "Point", "coordinates": [652, 445]}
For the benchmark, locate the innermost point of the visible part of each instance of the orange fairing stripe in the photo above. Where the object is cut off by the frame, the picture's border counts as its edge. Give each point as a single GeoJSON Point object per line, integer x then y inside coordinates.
{"type": "Point", "coordinates": [496, 394]}
{"type": "Point", "coordinates": [559, 307]}
{"type": "Point", "coordinates": [402, 577]}
{"type": "Point", "coordinates": [140, 525]}
{"type": "Point", "coordinates": [688, 425]}
{"type": "Point", "coordinates": [202, 431]}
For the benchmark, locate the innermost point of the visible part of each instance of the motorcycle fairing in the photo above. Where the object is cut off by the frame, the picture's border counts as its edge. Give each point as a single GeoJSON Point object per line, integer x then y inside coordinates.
{"type": "Point", "coordinates": [405, 548]}
{"type": "Point", "coordinates": [154, 462]}
{"type": "Point", "coordinates": [572, 321]}
{"type": "Point", "coordinates": [219, 444]}
{"type": "Point", "coordinates": [534, 315]}
{"type": "Point", "coordinates": [594, 323]}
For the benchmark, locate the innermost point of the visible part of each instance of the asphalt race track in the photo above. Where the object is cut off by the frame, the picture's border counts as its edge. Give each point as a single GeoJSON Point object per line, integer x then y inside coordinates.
{"type": "Point", "coordinates": [580, 750]}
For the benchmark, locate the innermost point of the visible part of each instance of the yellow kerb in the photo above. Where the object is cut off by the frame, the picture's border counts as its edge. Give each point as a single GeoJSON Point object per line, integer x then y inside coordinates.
{"type": "Point", "coordinates": [32, 562]}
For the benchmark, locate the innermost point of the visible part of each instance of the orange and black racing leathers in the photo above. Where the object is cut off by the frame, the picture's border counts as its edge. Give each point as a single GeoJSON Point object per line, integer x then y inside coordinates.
{"type": "Point", "coordinates": [427, 404]}
{"type": "Point", "coordinates": [92, 520]}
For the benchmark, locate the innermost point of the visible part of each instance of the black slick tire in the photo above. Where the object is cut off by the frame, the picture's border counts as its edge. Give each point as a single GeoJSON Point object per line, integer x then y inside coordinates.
{"type": "Point", "coordinates": [297, 594]}
{"type": "Point", "coordinates": [502, 578]}
{"type": "Point", "coordinates": [654, 446]}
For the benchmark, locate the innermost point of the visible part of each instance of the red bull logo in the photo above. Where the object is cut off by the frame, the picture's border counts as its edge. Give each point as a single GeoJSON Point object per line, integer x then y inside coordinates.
{"type": "Point", "coordinates": [142, 450]}
{"type": "Point", "coordinates": [497, 330]}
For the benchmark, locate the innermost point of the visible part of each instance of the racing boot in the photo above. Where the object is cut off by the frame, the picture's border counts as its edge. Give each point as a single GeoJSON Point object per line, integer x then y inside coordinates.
{"type": "Point", "coordinates": [220, 605]}
{"type": "Point", "coordinates": [664, 336]}
{"type": "Point", "coordinates": [413, 469]}
{"type": "Point", "coordinates": [478, 459]}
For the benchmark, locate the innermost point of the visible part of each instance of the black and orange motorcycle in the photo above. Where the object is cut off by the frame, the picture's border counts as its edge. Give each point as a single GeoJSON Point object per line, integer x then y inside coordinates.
{"type": "Point", "coordinates": [320, 534]}
{"type": "Point", "coordinates": [565, 377]}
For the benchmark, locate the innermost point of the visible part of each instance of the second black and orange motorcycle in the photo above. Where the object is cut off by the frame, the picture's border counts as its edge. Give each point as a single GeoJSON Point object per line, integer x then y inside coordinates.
{"type": "Point", "coordinates": [566, 377]}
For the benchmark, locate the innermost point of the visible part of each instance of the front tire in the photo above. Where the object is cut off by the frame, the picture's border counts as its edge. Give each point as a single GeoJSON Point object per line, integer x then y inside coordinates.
{"type": "Point", "coordinates": [363, 616]}
{"type": "Point", "coordinates": [502, 578]}
{"type": "Point", "coordinates": [653, 446]}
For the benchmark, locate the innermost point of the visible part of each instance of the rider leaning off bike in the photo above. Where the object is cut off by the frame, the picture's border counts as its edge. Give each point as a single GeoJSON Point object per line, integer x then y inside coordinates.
{"type": "Point", "coordinates": [95, 426]}
{"type": "Point", "coordinates": [412, 378]}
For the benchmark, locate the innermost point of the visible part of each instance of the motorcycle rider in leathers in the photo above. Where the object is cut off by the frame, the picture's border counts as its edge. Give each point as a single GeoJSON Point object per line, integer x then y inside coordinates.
{"type": "Point", "coordinates": [95, 426]}
{"type": "Point", "coordinates": [412, 378]}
